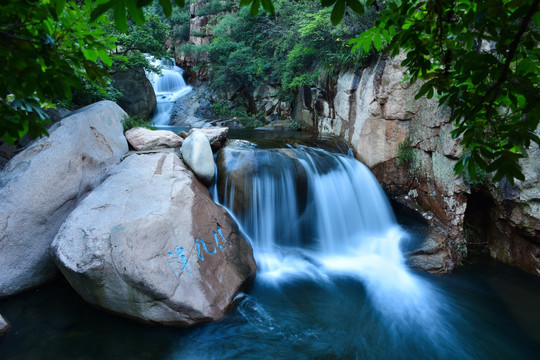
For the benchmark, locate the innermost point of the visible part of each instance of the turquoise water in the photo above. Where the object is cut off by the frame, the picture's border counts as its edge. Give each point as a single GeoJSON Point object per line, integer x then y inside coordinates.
{"type": "Point", "coordinates": [491, 309]}
{"type": "Point", "coordinates": [349, 298]}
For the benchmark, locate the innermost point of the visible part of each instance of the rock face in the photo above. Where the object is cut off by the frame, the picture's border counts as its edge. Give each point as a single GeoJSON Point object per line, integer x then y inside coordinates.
{"type": "Point", "coordinates": [152, 245]}
{"type": "Point", "coordinates": [138, 96]}
{"type": "Point", "coordinates": [41, 185]}
{"type": "Point", "coordinates": [216, 135]}
{"type": "Point", "coordinates": [4, 326]}
{"type": "Point", "coordinates": [197, 154]}
{"type": "Point", "coordinates": [407, 145]}
{"type": "Point", "coordinates": [144, 139]}
{"type": "Point", "coordinates": [504, 220]}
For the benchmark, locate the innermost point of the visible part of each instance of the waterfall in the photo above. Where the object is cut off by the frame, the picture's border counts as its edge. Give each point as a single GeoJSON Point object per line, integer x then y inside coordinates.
{"type": "Point", "coordinates": [312, 213]}
{"type": "Point", "coordinates": [169, 86]}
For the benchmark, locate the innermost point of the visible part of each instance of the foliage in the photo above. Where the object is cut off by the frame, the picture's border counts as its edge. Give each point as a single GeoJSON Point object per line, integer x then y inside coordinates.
{"type": "Point", "coordinates": [180, 23]}
{"type": "Point", "coordinates": [405, 154]}
{"type": "Point", "coordinates": [41, 59]}
{"type": "Point", "coordinates": [238, 110]}
{"type": "Point", "coordinates": [130, 122]}
{"type": "Point", "coordinates": [284, 49]}
{"type": "Point", "coordinates": [212, 7]}
{"type": "Point", "coordinates": [52, 49]}
{"type": "Point", "coordinates": [148, 38]}
{"type": "Point", "coordinates": [482, 57]}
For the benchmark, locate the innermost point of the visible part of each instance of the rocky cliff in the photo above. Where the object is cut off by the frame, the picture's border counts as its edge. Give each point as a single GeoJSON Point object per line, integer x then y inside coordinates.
{"type": "Point", "coordinates": [408, 145]}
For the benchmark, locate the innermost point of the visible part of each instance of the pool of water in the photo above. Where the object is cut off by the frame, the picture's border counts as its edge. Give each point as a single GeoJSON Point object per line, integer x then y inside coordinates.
{"type": "Point", "coordinates": [326, 308]}
{"type": "Point", "coordinates": [482, 311]}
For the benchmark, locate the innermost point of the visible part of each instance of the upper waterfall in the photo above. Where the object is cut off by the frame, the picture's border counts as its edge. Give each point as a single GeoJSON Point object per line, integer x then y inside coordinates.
{"type": "Point", "coordinates": [169, 86]}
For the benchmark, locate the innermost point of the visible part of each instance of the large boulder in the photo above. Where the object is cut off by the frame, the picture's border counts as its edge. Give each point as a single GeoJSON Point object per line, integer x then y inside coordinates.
{"type": "Point", "coordinates": [143, 139]}
{"type": "Point", "coordinates": [138, 96]}
{"type": "Point", "coordinates": [151, 244]}
{"type": "Point", "coordinates": [41, 185]}
{"type": "Point", "coordinates": [197, 154]}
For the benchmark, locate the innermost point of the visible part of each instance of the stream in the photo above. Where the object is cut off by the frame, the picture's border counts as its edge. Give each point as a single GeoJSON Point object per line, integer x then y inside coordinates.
{"type": "Point", "coordinates": [332, 281]}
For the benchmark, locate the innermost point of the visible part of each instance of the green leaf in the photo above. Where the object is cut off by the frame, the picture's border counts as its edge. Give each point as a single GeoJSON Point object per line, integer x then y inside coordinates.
{"type": "Point", "coordinates": [246, 2]}
{"type": "Point", "coordinates": [254, 9]}
{"type": "Point", "coordinates": [101, 9]}
{"type": "Point", "coordinates": [167, 7]}
{"type": "Point", "coordinates": [141, 3]}
{"type": "Point", "coordinates": [356, 6]}
{"type": "Point", "coordinates": [180, 3]}
{"type": "Point", "coordinates": [268, 6]}
{"type": "Point", "coordinates": [327, 3]}
{"type": "Point", "coordinates": [366, 45]}
{"type": "Point", "coordinates": [59, 6]}
{"type": "Point", "coordinates": [536, 19]}
{"type": "Point", "coordinates": [424, 90]}
{"type": "Point", "coordinates": [90, 54]}
{"type": "Point", "coordinates": [104, 56]}
{"type": "Point", "coordinates": [136, 12]}
{"type": "Point", "coordinates": [377, 40]}
{"type": "Point", "coordinates": [120, 16]}
{"type": "Point", "coordinates": [338, 12]}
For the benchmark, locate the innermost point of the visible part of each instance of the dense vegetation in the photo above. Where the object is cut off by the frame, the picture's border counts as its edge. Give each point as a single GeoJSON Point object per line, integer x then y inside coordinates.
{"type": "Point", "coordinates": [287, 48]}
{"type": "Point", "coordinates": [52, 52]}
{"type": "Point", "coordinates": [480, 58]}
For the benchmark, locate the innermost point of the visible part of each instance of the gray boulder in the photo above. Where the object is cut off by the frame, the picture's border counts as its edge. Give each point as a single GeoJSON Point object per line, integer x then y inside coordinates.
{"type": "Point", "coordinates": [197, 154]}
{"type": "Point", "coordinates": [216, 135]}
{"type": "Point", "coordinates": [150, 244]}
{"type": "Point", "coordinates": [138, 96]}
{"type": "Point", "coordinates": [41, 185]}
{"type": "Point", "coordinates": [145, 139]}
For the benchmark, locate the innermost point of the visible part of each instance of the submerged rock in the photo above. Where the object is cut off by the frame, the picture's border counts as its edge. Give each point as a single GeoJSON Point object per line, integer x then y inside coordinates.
{"type": "Point", "coordinates": [145, 139]}
{"type": "Point", "coordinates": [197, 154]}
{"type": "Point", "coordinates": [4, 326]}
{"type": "Point", "coordinates": [152, 245]}
{"type": "Point", "coordinates": [41, 185]}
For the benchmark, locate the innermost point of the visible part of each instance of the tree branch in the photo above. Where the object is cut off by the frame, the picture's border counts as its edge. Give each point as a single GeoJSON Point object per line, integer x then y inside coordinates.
{"type": "Point", "coordinates": [494, 90]}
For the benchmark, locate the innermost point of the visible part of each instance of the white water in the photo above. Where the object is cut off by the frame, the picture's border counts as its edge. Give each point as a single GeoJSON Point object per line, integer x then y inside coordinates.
{"type": "Point", "coordinates": [169, 87]}
{"type": "Point", "coordinates": [314, 214]}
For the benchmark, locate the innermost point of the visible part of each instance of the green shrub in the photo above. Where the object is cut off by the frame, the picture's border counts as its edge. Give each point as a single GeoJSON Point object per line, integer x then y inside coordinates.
{"type": "Point", "coordinates": [130, 122]}
{"type": "Point", "coordinates": [405, 154]}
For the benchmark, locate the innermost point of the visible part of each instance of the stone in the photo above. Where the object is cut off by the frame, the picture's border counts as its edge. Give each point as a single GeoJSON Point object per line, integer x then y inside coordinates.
{"type": "Point", "coordinates": [513, 229]}
{"type": "Point", "coordinates": [236, 165]}
{"type": "Point", "coordinates": [138, 96]}
{"type": "Point", "coordinates": [4, 326]}
{"type": "Point", "coordinates": [197, 154]}
{"type": "Point", "coordinates": [217, 135]}
{"type": "Point", "coordinates": [142, 139]}
{"type": "Point", "coordinates": [40, 186]}
{"type": "Point", "coordinates": [150, 244]}
{"type": "Point", "coordinates": [7, 152]}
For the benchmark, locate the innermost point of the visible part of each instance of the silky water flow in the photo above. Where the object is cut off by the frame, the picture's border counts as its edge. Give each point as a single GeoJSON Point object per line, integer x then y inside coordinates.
{"type": "Point", "coordinates": [316, 215]}
{"type": "Point", "coordinates": [169, 86]}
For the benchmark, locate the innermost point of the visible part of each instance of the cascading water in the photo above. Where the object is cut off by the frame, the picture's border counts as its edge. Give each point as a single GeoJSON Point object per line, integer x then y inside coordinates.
{"type": "Point", "coordinates": [169, 86]}
{"type": "Point", "coordinates": [315, 214]}
{"type": "Point", "coordinates": [331, 285]}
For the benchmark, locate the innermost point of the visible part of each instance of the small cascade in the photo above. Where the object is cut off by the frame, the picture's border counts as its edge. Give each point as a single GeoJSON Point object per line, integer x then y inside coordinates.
{"type": "Point", "coordinates": [169, 87]}
{"type": "Point", "coordinates": [314, 214]}
{"type": "Point", "coordinates": [309, 198]}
